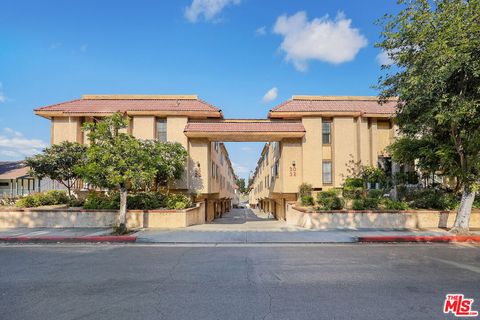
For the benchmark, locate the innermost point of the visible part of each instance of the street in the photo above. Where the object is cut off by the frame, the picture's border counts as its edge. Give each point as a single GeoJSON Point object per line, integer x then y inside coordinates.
{"type": "Point", "coordinates": [342, 281]}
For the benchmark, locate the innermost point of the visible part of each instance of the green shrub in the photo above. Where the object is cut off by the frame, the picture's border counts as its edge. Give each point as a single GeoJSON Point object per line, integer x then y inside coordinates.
{"type": "Point", "coordinates": [358, 204]}
{"type": "Point", "coordinates": [365, 204]}
{"type": "Point", "coordinates": [177, 201]}
{"type": "Point", "coordinates": [304, 189]}
{"type": "Point", "coordinates": [25, 202]}
{"type": "Point", "coordinates": [371, 203]}
{"type": "Point", "coordinates": [395, 205]}
{"type": "Point", "coordinates": [329, 200]}
{"type": "Point", "coordinates": [137, 201]}
{"type": "Point", "coordinates": [375, 193]}
{"type": "Point", "coordinates": [353, 188]}
{"type": "Point", "coordinates": [48, 198]}
{"type": "Point", "coordinates": [74, 202]}
{"type": "Point", "coordinates": [95, 200]}
{"type": "Point", "coordinates": [145, 201]}
{"type": "Point", "coordinates": [307, 201]}
{"type": "Point", "coordinates": [476, 202]}
{"type": "Point", "coordinates": [432, 199]}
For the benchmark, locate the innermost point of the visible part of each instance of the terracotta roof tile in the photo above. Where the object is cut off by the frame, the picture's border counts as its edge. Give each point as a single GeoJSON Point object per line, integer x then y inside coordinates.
{"type": "Point", "coordinates": [122, 105]}
{"type": "Point", "coordinates": [244, 126]}
{"type": "Point", "coordinates": [336, 105]}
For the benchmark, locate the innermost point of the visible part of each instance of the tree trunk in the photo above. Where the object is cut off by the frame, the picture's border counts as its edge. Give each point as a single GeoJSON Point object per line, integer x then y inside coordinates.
{"type": "Point", "coordinates": [122, 219]}
{"type": "Point", "coordinates": [462, 221]}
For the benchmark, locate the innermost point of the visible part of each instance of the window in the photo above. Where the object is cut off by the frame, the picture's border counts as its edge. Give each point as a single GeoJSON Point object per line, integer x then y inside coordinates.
{"type": "Point", "coordinates": [162, 130]}
{"type": "Point", "coordinates": [327, 172]}
{"type": "Point", "coordinates": [326, 132]}
{"type": "Point", "coordinates": [213, 170]}
{"type": "Point", "coordinates": [277, 167]}
{"type": "Point", "coordinates": [4, 184]}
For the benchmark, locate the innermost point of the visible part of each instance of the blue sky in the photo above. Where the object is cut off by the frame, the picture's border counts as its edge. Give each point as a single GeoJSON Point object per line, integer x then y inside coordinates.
{"type": "Point", "coordinates": [244, 56]}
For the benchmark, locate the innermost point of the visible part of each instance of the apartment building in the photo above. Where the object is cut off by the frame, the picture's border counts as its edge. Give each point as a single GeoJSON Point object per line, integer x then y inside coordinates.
{"type": "Point", "coordinates": [339, 131]}
{"type": "Point", "coordinates": [309, 139]}
{"type": "Point", "coordinates": [209, 171]}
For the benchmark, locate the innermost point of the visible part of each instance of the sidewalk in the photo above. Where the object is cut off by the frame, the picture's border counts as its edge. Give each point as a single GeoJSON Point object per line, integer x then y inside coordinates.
{"type": "Point", "coordinates": [249, 226]}
{"type": "Point", "coordinates": [53, 235]}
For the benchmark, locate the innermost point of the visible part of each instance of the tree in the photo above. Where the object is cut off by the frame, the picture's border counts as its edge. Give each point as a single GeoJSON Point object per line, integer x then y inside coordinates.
{"type": "Point", "coordinates": [240, 182]}
{"type": "Point", "coordinates": [170, 159]}
{"type": "Point", "coordinates": [434, 47]}
{"type": "Point", "coordinates": [117, 161]}
{"type": "Point", "coordinates": [58, 163]}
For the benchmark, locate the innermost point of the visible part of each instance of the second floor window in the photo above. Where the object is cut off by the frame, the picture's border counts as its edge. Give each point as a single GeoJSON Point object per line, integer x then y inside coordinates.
{"type": "Point", "coordinates": [162, 130]}
{"type": "Point", "coordinates": [326, 132]}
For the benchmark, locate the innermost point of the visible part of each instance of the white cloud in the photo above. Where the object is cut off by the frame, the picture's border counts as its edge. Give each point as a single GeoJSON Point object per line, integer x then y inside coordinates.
{"type": "Point", "coordinates": [383, 58]}
{"type": "Point", "coordinates": [270, 95]}
{"type": "Point", "coordinates": [14, 145]}
{"type": "Point", "coordinates": [246, 149]}
{"type": "Point", "coordinates": [3, 98]}
{"type": "Point", "coordinates": [239, 168]}
{"type": "Point", "coordinates": [206, 8]}
{"type": "Point", "coordinates": [261, 31]}
{"type": "Point", "coordinates": [323, 39]}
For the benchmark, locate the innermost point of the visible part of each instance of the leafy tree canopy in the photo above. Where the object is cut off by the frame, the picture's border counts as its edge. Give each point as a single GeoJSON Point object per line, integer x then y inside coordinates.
{"type": "Point", "coordinates": [435, 72]}
{"type": "Point", "coordinates": [58, 163]}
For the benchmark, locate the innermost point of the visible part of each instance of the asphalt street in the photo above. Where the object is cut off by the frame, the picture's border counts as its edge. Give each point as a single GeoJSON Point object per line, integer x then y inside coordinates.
{"type": "Point", "coordinates": [343, 281]}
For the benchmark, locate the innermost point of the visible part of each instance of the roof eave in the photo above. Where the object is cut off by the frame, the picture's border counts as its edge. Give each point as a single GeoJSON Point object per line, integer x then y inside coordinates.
{"type": "Point", "coordinates": [300, 114]}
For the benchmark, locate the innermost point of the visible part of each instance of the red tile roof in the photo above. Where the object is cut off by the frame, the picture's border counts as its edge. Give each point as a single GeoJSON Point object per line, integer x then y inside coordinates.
{"type": "Point", "coordinates": [336, 104]}
{"type": "Point", "coordinates": [244, 126]}
{"type": "Point", "coordinates": [113, 105]}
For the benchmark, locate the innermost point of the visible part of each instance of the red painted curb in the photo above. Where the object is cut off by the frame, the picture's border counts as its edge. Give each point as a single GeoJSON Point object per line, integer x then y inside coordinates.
{"type": "Point", "coordinates": [419, 239]}
{"type": "Point", "coordinates": [70, 239]}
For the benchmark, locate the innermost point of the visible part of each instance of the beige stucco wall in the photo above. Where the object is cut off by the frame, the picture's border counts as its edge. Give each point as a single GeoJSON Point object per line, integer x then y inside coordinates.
{"type": "Point", "coordinates": [344, 147]}
{"type": "Point", "coordinates": [422, 219]}
{"type": "Point", "coordinates": [68, 218]}
{"type": "Point", "coordinates": [292, 153]}
{"type": "Point", "coordinates": [199, 165]}
{"type": "Point", "coordinates": [363, 141]}
{"type": "Point", "coordinates": [312, 151]}
{"type": "Point", "coordinates": [66, 129]}
{"type": "Point", "coordinates": [144, 127]}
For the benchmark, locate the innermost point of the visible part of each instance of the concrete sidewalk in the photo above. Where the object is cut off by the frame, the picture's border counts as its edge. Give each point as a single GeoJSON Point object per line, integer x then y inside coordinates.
{"type": "Point", "coordinates": [55, 232]}
{"type": "Point", "coordinates": [307, 236]}
{"type": "Point", "coordinates": [61, 235]}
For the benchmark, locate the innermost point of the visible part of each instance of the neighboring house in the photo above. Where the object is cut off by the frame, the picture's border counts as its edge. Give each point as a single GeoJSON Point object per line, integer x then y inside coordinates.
{"type": "Point", "coordinates": [339, 131]}
{"type": "Point", "coordinates": [15, 180]}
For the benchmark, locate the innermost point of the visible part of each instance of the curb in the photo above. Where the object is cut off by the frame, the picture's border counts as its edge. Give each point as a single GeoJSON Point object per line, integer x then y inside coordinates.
{"type": "Point", "coordinates": [444, 239]}
{"type": "Point", "coordinates": [55, 239]}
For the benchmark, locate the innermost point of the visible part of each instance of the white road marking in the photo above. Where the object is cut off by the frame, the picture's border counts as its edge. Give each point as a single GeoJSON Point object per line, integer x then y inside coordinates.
{"type": "Point", "coordinates": [458, 265]}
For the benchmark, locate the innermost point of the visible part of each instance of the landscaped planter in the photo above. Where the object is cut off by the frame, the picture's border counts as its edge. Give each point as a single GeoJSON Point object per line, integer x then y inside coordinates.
{"type": "Point", "coordinates": [373, 219]}
{"type": "Point", "coordinates": [79, 218]}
